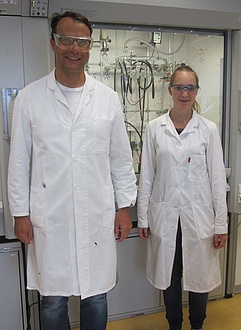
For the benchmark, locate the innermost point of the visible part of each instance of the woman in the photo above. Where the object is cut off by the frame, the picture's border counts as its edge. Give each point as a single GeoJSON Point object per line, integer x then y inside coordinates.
{"type": "Point", "coordinates": [182, 202]}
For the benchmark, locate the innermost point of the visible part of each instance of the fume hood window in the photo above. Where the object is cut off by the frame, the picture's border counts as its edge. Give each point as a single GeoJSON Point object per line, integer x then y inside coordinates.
{"type": "Point", "coordinates": [138, 64]}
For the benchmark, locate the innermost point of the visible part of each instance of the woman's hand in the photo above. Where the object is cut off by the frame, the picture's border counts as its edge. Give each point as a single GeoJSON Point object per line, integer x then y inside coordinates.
{"type": "Point", "coordinates": [220, 240]}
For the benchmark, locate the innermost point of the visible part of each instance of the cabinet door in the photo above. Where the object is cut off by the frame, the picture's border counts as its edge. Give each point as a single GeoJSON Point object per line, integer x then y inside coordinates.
{"type": "Point", "coordinates": [11, 68]}
{"type": "Point", "coordinates": [11, 313]}
{"type": "Point", "coordinates": [133, 294]}
{"type": "Point", "coordinates": [11, 52]}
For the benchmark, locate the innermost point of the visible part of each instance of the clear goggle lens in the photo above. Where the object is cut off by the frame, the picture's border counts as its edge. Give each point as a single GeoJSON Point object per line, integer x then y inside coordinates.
{"type": "Point", "coordinates": [66, 42]}
{"type": "Point", "coordinates": [190, 89]}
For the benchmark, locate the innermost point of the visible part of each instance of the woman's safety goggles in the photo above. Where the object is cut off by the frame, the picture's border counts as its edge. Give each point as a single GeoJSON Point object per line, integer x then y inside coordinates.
{"type": "Point", "coordinates": [179, 89]}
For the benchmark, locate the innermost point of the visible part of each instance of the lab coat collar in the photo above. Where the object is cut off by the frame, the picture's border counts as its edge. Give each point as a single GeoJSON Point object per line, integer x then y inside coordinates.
{"type": "Point", "coordinates": [192, 125]}
{"type": "Point", "coordinates": [51, 81]}
{"type": "Point", "coordinates": [51, 84]}
{"type": "Point", "coordinates": [89, 86]}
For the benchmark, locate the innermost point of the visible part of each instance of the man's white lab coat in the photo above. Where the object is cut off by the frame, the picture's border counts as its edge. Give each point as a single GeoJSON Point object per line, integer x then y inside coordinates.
{"type": "Point", "coordinates": [67, 172]}
{"type": "Point", "coordinates": [183, 176]}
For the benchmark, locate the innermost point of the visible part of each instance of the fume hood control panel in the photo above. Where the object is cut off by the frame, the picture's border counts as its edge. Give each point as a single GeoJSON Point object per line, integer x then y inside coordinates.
{"type": "Point", "coordinates": [39, 8]}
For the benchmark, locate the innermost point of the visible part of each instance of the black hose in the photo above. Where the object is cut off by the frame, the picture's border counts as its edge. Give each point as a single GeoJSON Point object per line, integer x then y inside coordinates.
{"type": "Point", "coordinates": [138, 133]}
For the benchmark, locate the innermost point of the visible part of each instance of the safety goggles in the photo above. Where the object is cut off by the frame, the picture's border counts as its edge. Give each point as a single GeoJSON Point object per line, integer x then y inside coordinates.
{"type": "Point", "coordinates": [179, 89]}
{"type": "Point", "coordinates": [66, 42]}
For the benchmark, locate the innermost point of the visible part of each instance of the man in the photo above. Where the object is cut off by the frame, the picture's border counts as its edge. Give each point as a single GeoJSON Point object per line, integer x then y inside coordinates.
{"type": "Point", "coordinates": [70, 161]}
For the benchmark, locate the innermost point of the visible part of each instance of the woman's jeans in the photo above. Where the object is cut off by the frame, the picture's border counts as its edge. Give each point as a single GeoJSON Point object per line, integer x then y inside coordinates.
{"type": "Point", "coordinates": [54, 313]}
{"type": "Point", "coordinates": [173, 295]}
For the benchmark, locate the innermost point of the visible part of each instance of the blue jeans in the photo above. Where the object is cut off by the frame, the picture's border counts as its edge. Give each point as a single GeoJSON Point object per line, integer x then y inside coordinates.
{"type": "Point", "coordinates": [173, 295]}
{"type": "Point", "coordinates": [54, 313]}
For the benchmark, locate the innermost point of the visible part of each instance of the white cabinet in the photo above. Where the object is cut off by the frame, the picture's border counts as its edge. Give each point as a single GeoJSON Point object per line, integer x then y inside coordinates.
{"type": "Point", "coordinates": [238, 260]}
{"type": "Point", "coordinates": [12, 287]}
{"type": "Point", "coordinates": [133, 294]}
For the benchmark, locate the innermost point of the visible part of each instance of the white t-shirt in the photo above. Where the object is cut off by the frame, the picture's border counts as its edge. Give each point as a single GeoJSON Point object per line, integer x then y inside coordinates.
{"type": "Point", "coordinates": [73, 96]}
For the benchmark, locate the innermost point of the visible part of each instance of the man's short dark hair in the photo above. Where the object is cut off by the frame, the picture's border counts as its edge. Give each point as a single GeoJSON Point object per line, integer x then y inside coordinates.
{"type": "Point", "coordinates": [75, 16]}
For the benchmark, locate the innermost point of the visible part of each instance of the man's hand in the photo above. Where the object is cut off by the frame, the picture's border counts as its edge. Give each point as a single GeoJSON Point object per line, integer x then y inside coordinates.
{"type": "Point", "coordinates": [144, 233]}
{"type": "Point", "coordinates": [23, 229]}
{"type": "Point", "coordinates": [123, 224]}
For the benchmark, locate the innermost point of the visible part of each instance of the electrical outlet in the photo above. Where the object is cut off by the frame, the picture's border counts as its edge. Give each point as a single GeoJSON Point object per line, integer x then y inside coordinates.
{"type": "Point", "coordinates": [157, 37]}
{"type": "Point", "coordinates": [239, 198]}
{"type": "Point", "coordinates": [239, 193]}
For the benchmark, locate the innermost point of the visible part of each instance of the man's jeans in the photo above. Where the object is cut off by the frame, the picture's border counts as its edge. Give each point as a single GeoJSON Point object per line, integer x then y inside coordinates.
{"type": "Point", "coordinates": [54, 313]}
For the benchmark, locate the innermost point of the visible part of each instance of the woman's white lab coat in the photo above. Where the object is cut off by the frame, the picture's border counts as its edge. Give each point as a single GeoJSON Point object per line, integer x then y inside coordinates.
{"type": "Point", "coordinates": [183, 176]}
{"type": "Point", "coordinates": [75, 165]}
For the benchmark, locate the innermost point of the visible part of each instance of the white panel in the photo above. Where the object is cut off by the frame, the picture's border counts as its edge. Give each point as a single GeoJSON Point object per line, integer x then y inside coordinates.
{"type": "Point", "coordinates": [188, 14]}
{"type": "Point", "coordinates": [239, 110]}
{"type": "Point", "coordinates": [12, 302]}
{"type": "Point", "coordinates": [25, 56]}
{"type": "Point", "coordinates": [1, 212]}
{"type": "Point", "coordinates": [133, 294]}
{"type": "Point", "coordinates": [11, 68]}
{"type": "Point", "coordinates": [10, 7]}
{"type": "Point", "coordinates": [238, 259]}
{"type": "Point", "coordinates": [220, 5]}
{"type": "Point", "coordinates": [37, 51]}
{"type": "Point", "coordinates": [235, 133]}
{"type": "Point", "coordinates": [11, 53]}
{"type": "Point", "coordinates": [238, 264]}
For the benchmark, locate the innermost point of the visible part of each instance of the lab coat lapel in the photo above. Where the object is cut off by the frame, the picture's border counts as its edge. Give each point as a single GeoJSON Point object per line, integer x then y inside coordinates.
{"type": "Point", "coordinates": [86, 96]}
{"type": "Point", "coordinates": [192, 124]}
{"type": "Point", "coordinates": [52, 85]}
{"type": "Point", "coordinates": [170, 129]}
{"type": "Point", "coordinates": [190, 128]}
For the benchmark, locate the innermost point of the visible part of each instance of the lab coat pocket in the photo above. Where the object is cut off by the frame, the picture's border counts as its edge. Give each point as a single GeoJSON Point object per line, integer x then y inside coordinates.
{"type": "Point", "coordinates": [102, 128]}
{"type": "Point", "coordinates": [157, 217]}
{"type": "Point", "coordinates": [38, 207]}
{"type": "Point", "coordinates": [197, 168]}
{"type": "Point", "coordinates": [204, 218]}
{"type": "Point", "coordinates": [108, 207]}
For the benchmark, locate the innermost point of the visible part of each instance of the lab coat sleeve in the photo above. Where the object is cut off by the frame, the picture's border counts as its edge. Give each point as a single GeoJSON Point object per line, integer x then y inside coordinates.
{"type": "Point", "coordinates": [122, 172]}
{"type": "Point", "coordinates": [217, 175]}
{"type": "Point", "coordinates": [147, 175]}
{"type": "Point", "coordinates": [19, 161]}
